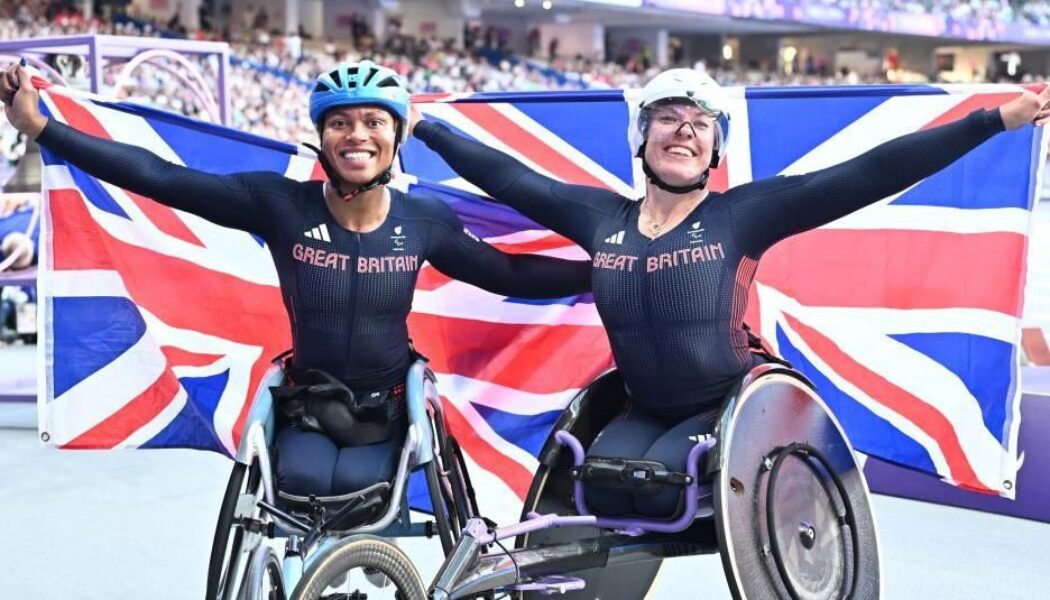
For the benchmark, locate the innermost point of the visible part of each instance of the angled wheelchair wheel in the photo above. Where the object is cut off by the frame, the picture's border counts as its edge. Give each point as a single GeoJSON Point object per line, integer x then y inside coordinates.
{"type": "Point", "coordinates": [265, 579]}
{"type": "Point", "coordinates": [358, 567]}
{"type": "Point", "coordinates": [793, 512]}
{"type": "Point", "coordinates": [231, 547]}
{"type": "Point", "coordinates": [449, 485]}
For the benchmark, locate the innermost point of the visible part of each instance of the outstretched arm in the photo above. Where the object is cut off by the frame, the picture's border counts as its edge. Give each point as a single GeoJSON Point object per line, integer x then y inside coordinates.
{"type": "Point", "coordinates": [770, 210]}
{"type": "Point", "coordinates": [222, 199]}
{"type": "Point", "coordinates": [767, 211]}
{"type": "Point", "coordinates": [460, 254]}
{"type": "Point", "coordinates": [225, 200]}
{"type": "Point", "coordinates": [571, 210]}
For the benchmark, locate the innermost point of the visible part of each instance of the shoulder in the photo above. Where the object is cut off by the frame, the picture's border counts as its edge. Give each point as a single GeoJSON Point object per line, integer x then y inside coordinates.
{"type": "Point", "coordinates": [277, 188]}
{"type": "Point", "coordinates": [264, 180]}
{"type": "Point", "coordinates": [423, 207]}
{"type": "Point", "coordinates": [437, 217]}
{"type": "Point", "coordinates": [765, 186]}
{"type": "Point", "coordinates": [601, 199]}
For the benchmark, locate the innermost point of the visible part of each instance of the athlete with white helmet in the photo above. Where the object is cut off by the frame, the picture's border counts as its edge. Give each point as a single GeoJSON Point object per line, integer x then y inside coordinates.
{"type": "Point", "coordinates": [671, 271]}
{"type": "Point", "coordinates": [347, 252]}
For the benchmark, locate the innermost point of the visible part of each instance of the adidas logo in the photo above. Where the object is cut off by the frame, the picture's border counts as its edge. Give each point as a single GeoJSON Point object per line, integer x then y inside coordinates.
{"type": "Point", "coordinates": [318, 233]}
{"type": "Point", "coordinates": [616, 238]}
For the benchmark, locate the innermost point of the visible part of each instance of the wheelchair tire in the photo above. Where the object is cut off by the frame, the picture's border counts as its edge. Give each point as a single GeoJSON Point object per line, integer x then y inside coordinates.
{"type": "Point", "coordinates": [337, 564]}
{"type": "Point", "coordinates": [265, 580]}
{"type": "Point", "coordinates": [463, 496]}
{"type": "Point", "coordinates": [439, 503]}
{"type": "Point", "coordinates": [227, 545]}
{"type": "Point", "coordinates": [451, 487]}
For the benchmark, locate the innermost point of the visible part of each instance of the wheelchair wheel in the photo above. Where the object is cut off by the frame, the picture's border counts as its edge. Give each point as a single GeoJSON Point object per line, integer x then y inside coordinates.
{"type": "Point", "coordinates": [449, 486]}
{"type": "Point", "coordinates": [361, 567]}
{"type": "Point", "coordinates": [230, 549]}
{"type": "Point", "coordinates": [793, 512]}
{"type": "Point", "coordinates": [265, 580]}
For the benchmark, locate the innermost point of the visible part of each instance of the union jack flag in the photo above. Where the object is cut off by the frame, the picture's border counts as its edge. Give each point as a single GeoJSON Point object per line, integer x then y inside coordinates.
{"type": "Point", "coordinates": [158, 324]}
{"type": "Point", "coordinates": [905, 314]}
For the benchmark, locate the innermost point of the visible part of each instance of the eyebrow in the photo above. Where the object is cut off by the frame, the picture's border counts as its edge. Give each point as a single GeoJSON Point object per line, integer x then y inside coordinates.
{"type": "Point", "coordinates": [372, 112]}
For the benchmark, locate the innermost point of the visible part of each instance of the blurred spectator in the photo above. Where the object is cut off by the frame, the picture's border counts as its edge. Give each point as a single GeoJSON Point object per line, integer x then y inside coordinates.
{"type": "Point", "coordinates": [16, 238]}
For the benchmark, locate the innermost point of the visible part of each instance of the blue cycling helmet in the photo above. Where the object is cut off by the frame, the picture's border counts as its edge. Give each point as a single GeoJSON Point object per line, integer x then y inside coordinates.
{"type": "Point", "coordinates": [354, 84]}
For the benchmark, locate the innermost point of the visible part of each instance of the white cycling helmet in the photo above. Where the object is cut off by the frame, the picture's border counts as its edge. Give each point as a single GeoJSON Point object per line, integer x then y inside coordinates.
{"type": "Point", "coordinates": [687, 85]}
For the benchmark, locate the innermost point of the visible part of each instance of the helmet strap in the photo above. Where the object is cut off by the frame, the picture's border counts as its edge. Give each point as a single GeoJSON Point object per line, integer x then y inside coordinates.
{"type": "Point", "coordinates": [667, 187]}
{"type": "Point", "coordinates": [337, 183]}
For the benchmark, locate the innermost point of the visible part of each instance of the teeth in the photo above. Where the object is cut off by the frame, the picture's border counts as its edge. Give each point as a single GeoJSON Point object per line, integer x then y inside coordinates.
{"type": "Point", "coordinates": [680, 151]}
{"type": "Point", "coordinates": [355, 155]}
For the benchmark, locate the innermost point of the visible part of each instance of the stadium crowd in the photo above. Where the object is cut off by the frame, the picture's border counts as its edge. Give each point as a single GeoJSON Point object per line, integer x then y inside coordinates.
{"type": "Point", "coordinates": [271, 74]}
{"type": "Point", "coordinates": [1036, 12]}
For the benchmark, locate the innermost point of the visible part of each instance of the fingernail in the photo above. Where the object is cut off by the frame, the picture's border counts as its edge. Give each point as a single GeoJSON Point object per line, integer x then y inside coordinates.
{"type": "Point", "coordinates": [23, 61]}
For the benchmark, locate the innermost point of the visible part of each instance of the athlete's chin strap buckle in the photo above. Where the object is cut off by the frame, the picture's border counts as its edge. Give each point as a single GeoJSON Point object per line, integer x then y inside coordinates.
{"type": "Point", "coordinates": [333, 177]}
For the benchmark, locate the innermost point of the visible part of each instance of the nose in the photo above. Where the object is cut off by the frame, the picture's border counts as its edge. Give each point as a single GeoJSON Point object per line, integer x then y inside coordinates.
{"type": "Point", "coordinates": [691, 132]}
{"type": "Point", "coordinates": [357, 132]}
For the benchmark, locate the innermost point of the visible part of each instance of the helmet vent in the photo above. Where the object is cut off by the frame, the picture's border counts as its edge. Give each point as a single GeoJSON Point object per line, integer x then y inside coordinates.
{"type": "Point", "coordinates": [321, 87]}
{"type": "Point", "coordinates": [388, 82]}
{"type": "Point", "coordinates": [371, 73]}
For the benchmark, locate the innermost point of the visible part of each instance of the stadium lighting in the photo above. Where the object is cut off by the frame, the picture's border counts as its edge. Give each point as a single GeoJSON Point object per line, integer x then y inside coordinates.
{"type": "Point", "coordinates": [519, 3]}
{"type": "Point", "coordinates": [547, 4]}
{"type": "Point", "coordinates": [727, 52]}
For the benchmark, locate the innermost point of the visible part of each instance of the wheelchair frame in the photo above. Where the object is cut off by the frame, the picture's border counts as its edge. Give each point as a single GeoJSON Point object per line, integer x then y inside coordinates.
{"type": "Point", "coordinates": [249, 512]}
{"type": "Point", "coordinates": [466, 573]}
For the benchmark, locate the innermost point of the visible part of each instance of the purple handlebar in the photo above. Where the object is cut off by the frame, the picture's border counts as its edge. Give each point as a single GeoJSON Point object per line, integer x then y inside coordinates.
{"type": "Point", "coordinates": [639, 526]}
{"type": "Point", "coordinates": [536, 522]}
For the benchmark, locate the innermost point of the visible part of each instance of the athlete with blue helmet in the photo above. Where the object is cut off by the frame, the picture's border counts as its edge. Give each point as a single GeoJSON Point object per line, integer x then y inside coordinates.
{"type": "Point", "coordinates": [348, 251]}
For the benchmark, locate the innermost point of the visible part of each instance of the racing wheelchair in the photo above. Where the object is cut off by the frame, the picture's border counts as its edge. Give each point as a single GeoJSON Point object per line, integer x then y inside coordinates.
{"type": "Point", "coordinates": [334, 547]}
{"type": "Point", "coordinates": [775, 490]}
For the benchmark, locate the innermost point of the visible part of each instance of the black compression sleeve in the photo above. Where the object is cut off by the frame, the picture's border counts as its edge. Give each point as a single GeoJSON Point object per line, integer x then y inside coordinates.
{"type": "Point", "coordinates": [224, 200]}
{"type": "Point", "coordinates": [571, 210]}
{"type": "Point", "coordinates": [770, 210]}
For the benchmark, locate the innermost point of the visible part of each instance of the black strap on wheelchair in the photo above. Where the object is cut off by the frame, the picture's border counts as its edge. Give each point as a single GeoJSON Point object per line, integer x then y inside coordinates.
{"type": "Point", "coordinates": [416, 354]}
{"type": "Point", "coordinates": [758, 346]}
{"type": "Point", "coordinates": [634, 475]}
{"type": "Point", "coordinates": [317, 401]}
{"type": "Point", "coordinates": [846, 519]}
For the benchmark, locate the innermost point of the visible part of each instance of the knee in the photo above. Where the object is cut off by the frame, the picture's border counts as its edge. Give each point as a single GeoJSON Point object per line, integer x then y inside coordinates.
{"type": "Point", "coordinates": [362, 466]}
{"type": "Point", "coordinates": [305, 479]}
{"type": "Point", "coordinates": [660, 505]}
{"type": "Point", "coordinates": [608, 503]}
{"type": "Point", "coordinates": [305, 461]}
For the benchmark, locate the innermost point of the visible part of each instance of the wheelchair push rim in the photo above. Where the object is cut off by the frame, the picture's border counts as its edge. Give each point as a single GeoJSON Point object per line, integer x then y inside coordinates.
{"type": "Point", "coordinates": [361, 566]}
{"type": "Point", "coordinates": [792, 509]}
